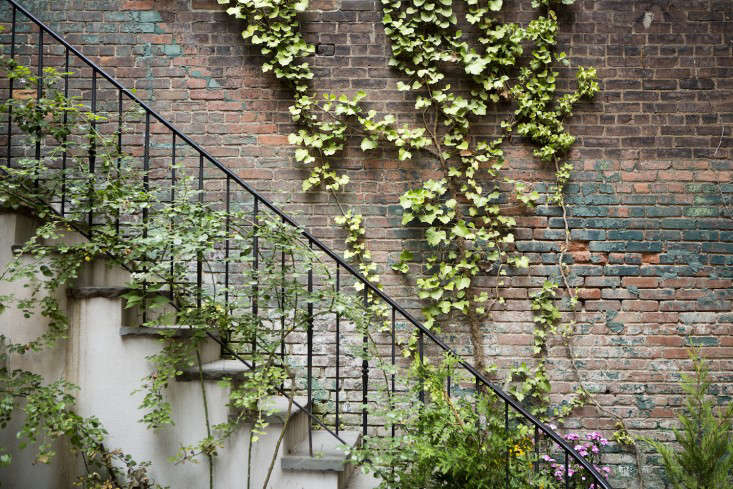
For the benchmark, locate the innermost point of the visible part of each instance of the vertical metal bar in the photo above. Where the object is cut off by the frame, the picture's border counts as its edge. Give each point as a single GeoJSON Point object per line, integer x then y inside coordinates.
{"type": "Point", "coordinates": [199, 257]}
{"type": "Point", "coordinates": [10, 87]}
{"type": "Point", "coordinates": [567, 477]}
{"type": "Point", "coordinates": [256, 266]}
{"type": "Point", "coordinates": [338, 345]}
{"type": "Point", "coordinates": [39, 94]}
{"type": "Point", "coordinates": [310, 349]}
{"type": "Point", "coordinates": [506, 436]}
{"type": "Point", "coordinates": [173, 196]}
{"type": "Point", "coordinates": [420, 345]}
{"type": "Point", "coordinates": [365, 367]}
{"type": "Point", "coordinates": [119, 150]}
{"type": "Point", "coordinates": [227, 243]}
{"type": "Point", "coordinates": [146, 186]}
{"type": "Point", "coordinates": [447, 386]}
{"type": "Point", "coordinates": [536, 448]}
{"type": "Point", "coordinates": [393, 358]}
{"type": "Point", "coordinates": [65, 121]}
{"type": "Point", "coordinates": [282, 313]}
{"type": "Point", "coordinates": [93, 149]}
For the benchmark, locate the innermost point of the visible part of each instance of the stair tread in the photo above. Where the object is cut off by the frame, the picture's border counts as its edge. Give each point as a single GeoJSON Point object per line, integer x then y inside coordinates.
{"type": "Point", "coordinates": [175, 330]}
{"type": "Point", "coordinates": [215, 370]}
{"type": "Point", "coordinates": [329, 454]}
{"type": "Point", "coordinates": [326, 445]}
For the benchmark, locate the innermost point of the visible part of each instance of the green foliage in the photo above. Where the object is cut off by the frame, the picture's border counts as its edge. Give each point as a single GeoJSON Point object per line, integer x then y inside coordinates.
{"type": "Point", "coordinates": [454, 442]}
{"type": "Point", "coordinates": [49, 419]}
{"type": "Point", "coordinates": [704, 459]}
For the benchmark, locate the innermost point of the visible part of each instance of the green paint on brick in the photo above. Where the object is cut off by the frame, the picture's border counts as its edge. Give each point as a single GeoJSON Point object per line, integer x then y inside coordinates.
{"type": "Point", "coordinates": [703, 341]}
{"type": "Point", "coordinates": [172, 50]}
{"type": "Point", "coordinates": [149, 16]}
{"type": "Point", "coordinates": [213, 84]}
{"type": "Point", "coordinates": [645, 404]}
{"type": "Point", "coordinates": [701, 212]}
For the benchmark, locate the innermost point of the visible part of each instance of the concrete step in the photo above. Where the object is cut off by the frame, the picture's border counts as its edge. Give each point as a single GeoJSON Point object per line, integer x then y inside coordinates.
{"type": "Point", "coordinates": [328, 463]}
{"type": "Point", "coordinates": [215, 370]}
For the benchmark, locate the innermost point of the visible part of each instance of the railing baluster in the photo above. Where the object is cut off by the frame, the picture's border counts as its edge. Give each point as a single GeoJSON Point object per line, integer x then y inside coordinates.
{"type": "Point", "coordinates": [536, 448]}
{"type": "Point", "coordinates": [365, 366]}
{"type": "Point", "coordinates": [256, 266]}
{"type": "Point", "coordinates": [393, 358]}
{"type": "Point", "coordinates": [227, 243]}
{"type": "Point", "coordinates": [199, 255]}
{"type": "Point", "coordinates": [146, 186]}
{"type": "Point", "coordinates": [173, 197]}
{"type": "Point", "coordinates": [338, 345]}
{"type": "Point", "coordinates": [119, 149]}
{"type": "Point", "coordinates": [39, 95]}
{"type": "Point", "coordinates": [65, 121]}
{"type": "Point", "coordinates": [506, 436]}
{"type": "Point", "coordinates": [310, 349]}
{"type": "Point", "coordinates": [567, 477]}
{"type": "Point", "coordinates": [282, 313]}
{"type": "Point", "coordinates": [93, 150]}
{"type": "Point", "coordinates": [420, 353]}
{"type": "Point", "coordinates": [10, 88]}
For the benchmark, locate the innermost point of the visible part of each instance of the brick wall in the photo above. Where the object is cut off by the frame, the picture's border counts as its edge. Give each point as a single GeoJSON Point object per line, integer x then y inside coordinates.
{"type": "Point", "coordinates": [652, 247]}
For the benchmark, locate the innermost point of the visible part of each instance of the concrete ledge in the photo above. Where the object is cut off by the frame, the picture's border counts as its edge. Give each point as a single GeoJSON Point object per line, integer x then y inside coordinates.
{"type": "Point", "coordinates": [313, 464]}
{"type": "Point", "coordinates": [91, 292]}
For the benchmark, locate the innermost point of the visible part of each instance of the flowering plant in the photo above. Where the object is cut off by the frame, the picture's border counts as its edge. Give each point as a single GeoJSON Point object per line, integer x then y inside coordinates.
{"type": "Point", "coordinates": [590, 449]}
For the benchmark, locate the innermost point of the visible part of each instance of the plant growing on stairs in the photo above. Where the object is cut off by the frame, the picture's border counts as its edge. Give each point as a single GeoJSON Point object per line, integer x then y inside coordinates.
{"type": "Point", "coordinates": [159, 232]}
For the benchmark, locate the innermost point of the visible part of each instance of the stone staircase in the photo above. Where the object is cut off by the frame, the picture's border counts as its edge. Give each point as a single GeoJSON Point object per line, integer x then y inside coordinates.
{"type": "Point", "coordinates": [105, 355]}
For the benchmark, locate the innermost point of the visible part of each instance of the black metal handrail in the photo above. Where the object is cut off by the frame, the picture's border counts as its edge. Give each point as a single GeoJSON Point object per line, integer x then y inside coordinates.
{"type": "Point", "coordinates": [369, 288]}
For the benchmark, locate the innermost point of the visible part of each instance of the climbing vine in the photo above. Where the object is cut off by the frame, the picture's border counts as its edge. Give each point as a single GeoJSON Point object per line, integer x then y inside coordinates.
{"type": "Point", "coordinates": [468, 236]}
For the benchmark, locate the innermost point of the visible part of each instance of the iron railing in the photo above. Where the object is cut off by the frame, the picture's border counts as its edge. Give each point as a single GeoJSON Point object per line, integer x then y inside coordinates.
{"type": "Point", "coordinates": [235, 186]}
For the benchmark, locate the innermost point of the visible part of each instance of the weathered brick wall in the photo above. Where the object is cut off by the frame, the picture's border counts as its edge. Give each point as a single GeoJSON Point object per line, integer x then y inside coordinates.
{"type": "Point", "coordinates": [652, 247]}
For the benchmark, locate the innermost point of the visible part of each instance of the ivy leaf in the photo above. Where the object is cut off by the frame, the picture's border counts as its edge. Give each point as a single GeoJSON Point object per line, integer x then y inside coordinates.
{"type": "Point", "coordinates": [434, 236]}
{"type": "Point", "coordinates": [301, 154]}
{"type": "Point", "coordinates": [367, 144]}
{"type": "Point", "coordinates": [461, 230]}
{"type": "Point", "coordinates": [495, 5]}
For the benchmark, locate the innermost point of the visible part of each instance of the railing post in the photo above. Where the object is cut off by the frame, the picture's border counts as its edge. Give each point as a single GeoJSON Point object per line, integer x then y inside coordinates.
{"type": "Point", "coordinates": [10, 87]}
{"type": "Point", "coordinates": [119, 148]}
{"type": "Point", "coordinates": [65, 121]}
{"type": "Point", "coordinates": [365, 365]}
{"type": "Point", "coordinates": [256, 266]}
{"type": "Point", "coordinates": [93, 150]}
{"type": "Point", "coordinates": [420, 353]}
{"type": "Point", "coordinates": [39, 94]}
{"type": "Point", "coordinates": [338, 345]}
{"type": "Point", "coordinates": [310, 348]}
{"type": "Point", "coordinates": [199, 257]}
{"type": "Point", "coordinates": [393, 358]}
{"type": "Point", "coordinates": [508, 450]}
